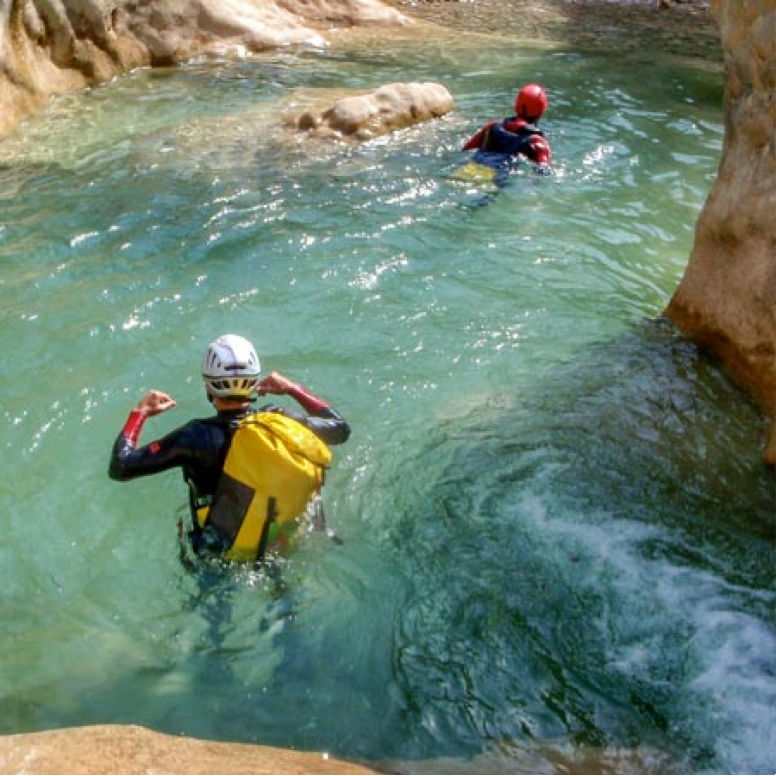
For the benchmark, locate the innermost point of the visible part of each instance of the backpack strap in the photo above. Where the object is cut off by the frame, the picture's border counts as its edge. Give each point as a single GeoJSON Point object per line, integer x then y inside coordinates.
{"type": "Point", "coordinates": [272, 513]}
{"type": "Point", "coordinates": [197, 501]}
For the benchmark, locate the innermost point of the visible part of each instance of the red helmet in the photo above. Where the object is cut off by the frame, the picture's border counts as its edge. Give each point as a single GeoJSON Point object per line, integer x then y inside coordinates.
{"type": "Point", "coordinates": [531, 102]}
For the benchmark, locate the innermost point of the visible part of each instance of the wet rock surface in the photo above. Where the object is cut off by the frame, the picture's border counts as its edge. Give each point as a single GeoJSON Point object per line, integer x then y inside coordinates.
{"type": "Point", "coordinates": [681, 29]}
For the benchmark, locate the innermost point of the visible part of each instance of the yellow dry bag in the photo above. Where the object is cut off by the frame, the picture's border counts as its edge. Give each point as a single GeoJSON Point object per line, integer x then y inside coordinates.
{"type": "Point", "coordinates": [274, 467]}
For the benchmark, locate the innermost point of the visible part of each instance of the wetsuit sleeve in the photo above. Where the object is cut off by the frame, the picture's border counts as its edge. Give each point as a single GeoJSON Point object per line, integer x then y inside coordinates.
{"type": "Point", "coordinates": [324, 421]}
{"type": "Point", "coordinates": [128, 460]}
{"type": "Point", "coordinates": [540, 150]}
{"type": "Point", "coordinates": [310, 402]}
{"type": "Point", "coordinates": [476, 140]}
{"type": "Point", "coordinates": [329, 426]}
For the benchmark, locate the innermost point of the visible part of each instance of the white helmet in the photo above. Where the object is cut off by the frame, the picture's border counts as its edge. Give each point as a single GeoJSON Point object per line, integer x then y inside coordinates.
{"type": "Point", "coordinates": [231, 367]}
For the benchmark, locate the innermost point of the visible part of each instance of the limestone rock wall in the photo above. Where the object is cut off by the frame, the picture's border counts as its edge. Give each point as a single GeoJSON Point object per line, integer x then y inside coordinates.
{"type": "Point", "coordinates": [55, 46]}
{"type": "Point", "coordinates": [727, 299]}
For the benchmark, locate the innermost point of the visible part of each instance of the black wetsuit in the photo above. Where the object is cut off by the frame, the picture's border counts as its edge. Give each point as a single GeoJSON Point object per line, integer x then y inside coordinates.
{"type": "Point", "coordinates": [199, 447]}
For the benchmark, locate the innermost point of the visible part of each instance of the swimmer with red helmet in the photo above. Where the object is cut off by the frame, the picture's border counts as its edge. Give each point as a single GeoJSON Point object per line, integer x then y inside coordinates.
{"type": "Point", "coordinates": [516, 136]}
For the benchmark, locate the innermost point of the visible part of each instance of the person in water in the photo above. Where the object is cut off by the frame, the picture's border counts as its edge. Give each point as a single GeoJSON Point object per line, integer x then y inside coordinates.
{"type": "Point", "coordinates": [231, 372]}
{"type": "Point", "coordinates": [506, 141]}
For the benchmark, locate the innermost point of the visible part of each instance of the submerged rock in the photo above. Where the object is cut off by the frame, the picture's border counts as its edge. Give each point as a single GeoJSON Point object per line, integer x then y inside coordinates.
{"type": "Point", "coordinates": [363, 116]}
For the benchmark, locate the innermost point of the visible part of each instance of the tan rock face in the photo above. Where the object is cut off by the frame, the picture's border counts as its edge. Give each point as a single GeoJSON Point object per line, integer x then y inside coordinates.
{"type": "Point", "coordinates": [56, 46]}
{"type": "Point", "coordinates": [727, 298]}
{"type": "Point", "coordinates": [344, 13]}
{"type": "Point", "coordinates": [131, 749]}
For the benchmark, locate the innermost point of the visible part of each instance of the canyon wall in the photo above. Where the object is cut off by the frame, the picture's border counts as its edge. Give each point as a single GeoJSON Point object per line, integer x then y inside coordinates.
{"type": "Point", "coordinates": [726, 301]}
{"type": "Point", "coordinates": [50, 47]}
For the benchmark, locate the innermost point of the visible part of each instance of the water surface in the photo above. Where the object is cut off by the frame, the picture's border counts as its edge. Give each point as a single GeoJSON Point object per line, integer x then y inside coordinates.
{"type": "Point", "coordinates": [557, 534]}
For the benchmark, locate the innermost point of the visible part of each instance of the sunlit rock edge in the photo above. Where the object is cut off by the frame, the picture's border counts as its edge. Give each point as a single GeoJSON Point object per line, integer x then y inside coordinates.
{"type": "Point", "coordinates": [132, 749]}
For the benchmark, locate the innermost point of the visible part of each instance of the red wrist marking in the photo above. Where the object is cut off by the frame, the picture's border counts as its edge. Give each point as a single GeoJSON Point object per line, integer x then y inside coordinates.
{"type": "Point", "coordinates": [133, 426]}
{"type": "Point", "coordinates": [307, 400]}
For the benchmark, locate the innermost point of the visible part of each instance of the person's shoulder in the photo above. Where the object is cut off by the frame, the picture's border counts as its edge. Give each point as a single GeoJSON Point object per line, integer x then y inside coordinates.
{"type": "Point", "coordinates": [268, 408]}
{"type": "Point", "coordinates": [198, 426]}
{"type": "Point", "coordinates": [209, 421]}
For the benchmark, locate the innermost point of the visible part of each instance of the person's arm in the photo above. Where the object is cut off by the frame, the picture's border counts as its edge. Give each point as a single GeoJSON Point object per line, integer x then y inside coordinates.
{"type": "Point", "coordinates": [321, 418]}
{"type": "Point", "coordinates": [127, 459]}
{"type": "Point", "coordinates": [540, 153]}
{"type": "Point", "coordinates": [477, 139]}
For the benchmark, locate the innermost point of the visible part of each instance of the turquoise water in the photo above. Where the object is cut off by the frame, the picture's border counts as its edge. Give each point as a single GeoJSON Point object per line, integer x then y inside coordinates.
{"type": "Point", "coordinates": [557, 533]}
